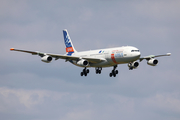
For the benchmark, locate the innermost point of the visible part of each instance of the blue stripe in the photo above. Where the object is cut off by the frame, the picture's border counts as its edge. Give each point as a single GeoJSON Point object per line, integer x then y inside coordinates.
{"type": "Point", "coordinates": [70, 53]}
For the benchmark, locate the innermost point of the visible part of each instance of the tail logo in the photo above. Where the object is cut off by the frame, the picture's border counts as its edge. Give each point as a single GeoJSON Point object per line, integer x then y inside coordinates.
{"type": "Point", "coordinates": [67, 39]}
{"type": "Point", "coordinates": [69, 49]}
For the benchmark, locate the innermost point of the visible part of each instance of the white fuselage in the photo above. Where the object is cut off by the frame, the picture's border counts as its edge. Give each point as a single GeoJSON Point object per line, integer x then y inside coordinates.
{"type": "Point", "coordinates": [111, 56]}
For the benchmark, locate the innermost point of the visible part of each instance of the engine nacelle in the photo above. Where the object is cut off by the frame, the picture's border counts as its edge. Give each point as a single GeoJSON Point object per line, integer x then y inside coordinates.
{"type": "Point", "coordinates": [83, 63]}
{"type": "Point", "coordinates": [152, 62]}
{"type": "Point", "coordinates": [133, 65]}
{"type": "Point", "coordinates": [46, 59]}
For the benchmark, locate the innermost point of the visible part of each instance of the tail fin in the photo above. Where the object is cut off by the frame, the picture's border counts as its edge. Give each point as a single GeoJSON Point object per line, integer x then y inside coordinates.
{"type": "Point", "coordinates": [68, 43]}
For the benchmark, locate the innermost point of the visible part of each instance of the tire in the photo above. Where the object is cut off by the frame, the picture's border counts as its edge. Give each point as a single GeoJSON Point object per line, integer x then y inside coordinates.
{"type": "Point", "coordinates": [116, 71]}
{"type": "Point", "coordinates": [113, 72]}
{"type": "Point", "coordinates": [130, 68]}
{"type": "Point", "coordinates": [81, 73]}
{"type": "Point", "coordinates": [114, 75]}
{"type": "Point", "coordinates": [110, 74]}
{"type": "Point", "coordinates": [99, 71]}
{"type": "Point", "coordinates": [87, 70]}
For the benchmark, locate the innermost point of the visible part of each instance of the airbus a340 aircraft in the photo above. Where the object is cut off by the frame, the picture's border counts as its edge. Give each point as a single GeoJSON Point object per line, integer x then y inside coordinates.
{"type": "Point", "coordinates": [100, 58]}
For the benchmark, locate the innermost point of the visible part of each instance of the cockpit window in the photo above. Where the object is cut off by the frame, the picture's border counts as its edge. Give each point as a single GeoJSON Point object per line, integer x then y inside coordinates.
{"type": "Point", "coordinates": [134, 50]}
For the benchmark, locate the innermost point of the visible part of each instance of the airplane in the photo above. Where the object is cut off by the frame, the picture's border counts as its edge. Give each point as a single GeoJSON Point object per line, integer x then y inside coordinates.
{"type": "Point", "coordinates": [99, 58]}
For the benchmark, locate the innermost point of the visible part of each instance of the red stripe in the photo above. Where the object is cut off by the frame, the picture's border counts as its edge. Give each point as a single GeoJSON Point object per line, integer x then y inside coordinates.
{"type": "Point", "coordinates": [69, 49]}
{"type": "Point", "coordinates": [113, 58]}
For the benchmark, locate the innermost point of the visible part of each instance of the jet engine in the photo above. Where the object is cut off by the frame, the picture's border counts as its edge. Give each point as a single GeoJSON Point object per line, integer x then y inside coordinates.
{"type": "Point", "coordinates": [133, 65]}
{"type": "Point", "coordinates": [83, 63]}
{"type": "Point", "coordinates": [152, 62]}
{"type": "Point", "coordinates": [46, 59]}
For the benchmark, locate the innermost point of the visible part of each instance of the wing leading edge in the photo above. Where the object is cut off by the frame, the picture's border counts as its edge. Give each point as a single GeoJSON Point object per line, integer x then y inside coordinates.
{"type": "Point", "coordinates": [58, 56]}
{"type": "Point", "coordinates": [153, 56]}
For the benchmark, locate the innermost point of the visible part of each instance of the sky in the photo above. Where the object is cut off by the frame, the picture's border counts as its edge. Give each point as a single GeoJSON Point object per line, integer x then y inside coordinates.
{"type": "Point", "coordinates": [33, 90]}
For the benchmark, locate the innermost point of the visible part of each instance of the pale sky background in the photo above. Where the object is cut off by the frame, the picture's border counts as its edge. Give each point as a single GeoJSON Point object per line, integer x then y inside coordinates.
{"type": "Point", "coordinates": [33, 90]}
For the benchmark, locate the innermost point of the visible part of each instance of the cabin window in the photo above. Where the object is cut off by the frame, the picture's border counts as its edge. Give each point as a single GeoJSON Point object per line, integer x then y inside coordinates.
{"type": "Point", "coordinates": [134, 50]}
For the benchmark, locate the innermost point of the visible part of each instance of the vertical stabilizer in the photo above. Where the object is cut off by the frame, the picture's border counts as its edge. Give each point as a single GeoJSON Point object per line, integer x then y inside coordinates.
{"type": "Point", "coordinates": [68, 43]}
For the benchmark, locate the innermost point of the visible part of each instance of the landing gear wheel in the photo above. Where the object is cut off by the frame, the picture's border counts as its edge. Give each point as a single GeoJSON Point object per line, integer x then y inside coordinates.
{"type": "Point", "coordinates": [87, 70]}
{"type": "Point", "coordinates": [81, 73]}
{"type": "Point", "coordinates": [114, 72]}
{"type": "Point", "coordinates": [98, 70]}
{"type": "Point", "coordinates": [110, 74]}
{"type": "Point", "coordinates": [130, 68]}
{"type": "Point", "coordinates": [84, 72]}
{"type": "Point", "coordinates": [114, 75]}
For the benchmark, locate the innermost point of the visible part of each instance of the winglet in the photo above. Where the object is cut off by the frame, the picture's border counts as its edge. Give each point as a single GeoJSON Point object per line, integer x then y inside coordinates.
{"type": "Point", "coordinates": [168, 54]}
{"type": "Point", "coordinates": [12, 49]}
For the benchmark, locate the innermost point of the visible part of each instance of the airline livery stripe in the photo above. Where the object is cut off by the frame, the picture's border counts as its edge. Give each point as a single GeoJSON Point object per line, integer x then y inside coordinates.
{"type": "Point", "coordinates": [113, 58]}
{"type": "Point", "coordinates": [69, 49]}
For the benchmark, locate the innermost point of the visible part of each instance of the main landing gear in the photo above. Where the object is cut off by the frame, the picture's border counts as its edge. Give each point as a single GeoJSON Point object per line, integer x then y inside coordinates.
{"type": "Point", "coordinates": [114, 72]}
{"type": "Point", "coordinates": [85, 72]}
{"type": "Point", "coordinates": [98, 70]}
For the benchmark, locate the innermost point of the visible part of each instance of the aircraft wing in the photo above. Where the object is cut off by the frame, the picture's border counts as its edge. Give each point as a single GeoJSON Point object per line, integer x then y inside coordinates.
{"type": "Point", "coordinates": [68, 58]}
{"type": "Point", "coordinates": [58, 56]}
{"type": "Point", "coordinates": [153, 56]}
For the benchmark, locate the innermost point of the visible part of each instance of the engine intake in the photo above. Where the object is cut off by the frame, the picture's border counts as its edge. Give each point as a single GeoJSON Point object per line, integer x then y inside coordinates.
{"type": "Point", "coordinates": [83, 63]}
{"type": "Point", "coordinates": [152, 62]}
{"type": "Point", "coordinates": [46, 59]}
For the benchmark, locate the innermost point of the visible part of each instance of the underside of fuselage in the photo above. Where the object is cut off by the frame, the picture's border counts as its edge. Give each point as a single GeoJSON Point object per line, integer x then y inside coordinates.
{"type": "Point", "coordinates": [109, 62]}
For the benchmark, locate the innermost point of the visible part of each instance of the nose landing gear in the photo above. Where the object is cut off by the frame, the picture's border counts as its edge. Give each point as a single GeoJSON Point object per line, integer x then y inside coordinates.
{"type": "Point", "coordinates": [130, 66]}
